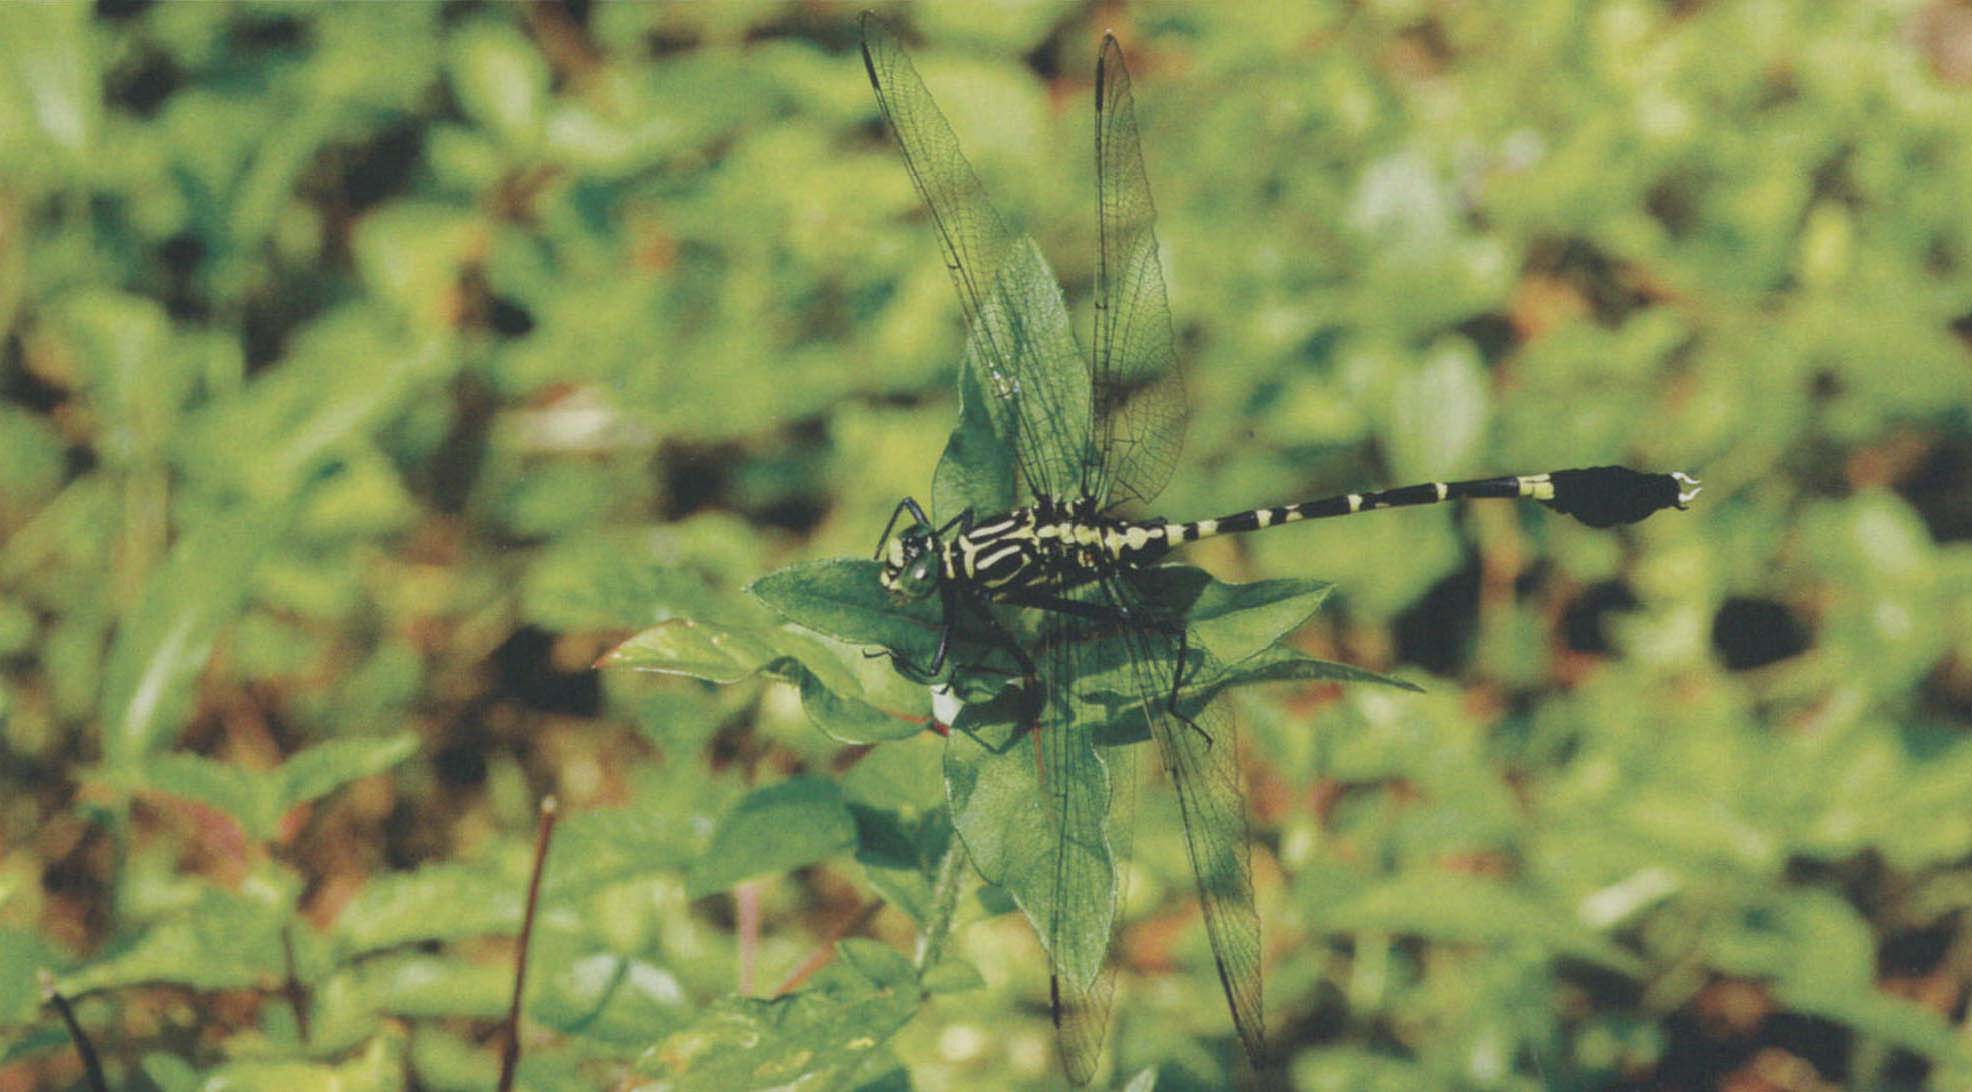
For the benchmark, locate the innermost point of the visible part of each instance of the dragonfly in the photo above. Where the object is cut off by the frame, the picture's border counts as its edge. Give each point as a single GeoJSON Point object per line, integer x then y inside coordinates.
{"type": "Point", "coordinates": [1091, 435]}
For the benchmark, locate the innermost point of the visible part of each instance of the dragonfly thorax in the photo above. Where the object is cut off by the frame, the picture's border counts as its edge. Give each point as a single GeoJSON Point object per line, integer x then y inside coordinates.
{"type": "Point", "coordinates": [1006, 553]}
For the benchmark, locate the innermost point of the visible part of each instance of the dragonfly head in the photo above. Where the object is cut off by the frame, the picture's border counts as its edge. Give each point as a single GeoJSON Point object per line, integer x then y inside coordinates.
{"type": "Point", "coordinates": [911, 562]}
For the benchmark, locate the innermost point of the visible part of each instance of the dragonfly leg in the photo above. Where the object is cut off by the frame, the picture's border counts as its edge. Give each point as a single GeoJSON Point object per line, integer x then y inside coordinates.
{"type": "Point", "coordinates": [1006, 640]}
{"type": "Point", "coordinates": [908, 504]}
{"type": "Point", "coordinates": [1118, 615]}
{"type": "Point", "coordinates": [962, 521]}
{"type": "Point", "coordinates": [1178, 683]}
{"type": "Point", "coordinates": [912, 671]}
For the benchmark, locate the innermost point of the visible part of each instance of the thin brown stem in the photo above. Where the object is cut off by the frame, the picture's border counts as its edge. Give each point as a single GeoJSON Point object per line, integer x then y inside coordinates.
{"type": "Point", "coordinates": [820, 957]}
{"type": "Point", "coordinates": [544, 832]}
{"type": "Point", "coordinates": [297, 993]}
{"type": "Point", "coordinates": [746, 907]}
{"type": "Point", "coordinates": [91, 1065]}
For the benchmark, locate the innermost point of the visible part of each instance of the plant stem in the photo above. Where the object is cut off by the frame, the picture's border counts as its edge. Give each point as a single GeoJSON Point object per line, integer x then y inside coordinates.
{"type": "Point", "coordinates": [944, 901]}
{"type": "Point", "coordinates": [544, 832]}
{"type": "Point", "coordinates": [746, 899]}
{"type": "Point", "coordinates": [91, 1065]}
{"type": "Point", "coordinates": [297, 993]}
{"type": "Point", "coordinates": [825, 951]}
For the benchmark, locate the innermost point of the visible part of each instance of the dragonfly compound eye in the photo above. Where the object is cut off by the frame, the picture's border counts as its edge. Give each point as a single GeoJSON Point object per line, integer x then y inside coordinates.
{"type": "Point", "coordinates": [919, 577]}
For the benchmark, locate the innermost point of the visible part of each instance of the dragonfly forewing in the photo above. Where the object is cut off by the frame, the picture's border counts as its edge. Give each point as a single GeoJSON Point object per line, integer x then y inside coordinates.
{"type": "Point", "coordinates": [1023, 339]}
{"type": "Point", "coordinates": [1139, 407]}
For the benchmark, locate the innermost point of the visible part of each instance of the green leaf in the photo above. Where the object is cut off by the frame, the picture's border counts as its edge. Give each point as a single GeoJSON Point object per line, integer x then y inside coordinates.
{"type": "Point", "coordinates": [594, 849]}
{"type": "Point", "coordinates": [31, 456]}
{"type": "Point", "coordinates": [845, 719]}
{"type": "Point", "coordinates": [774, 829]}
{"type": "Point", "coordinates": [1115, 719]}
{"type": "Point", "coordinates": [1768, 938]}
{"type": "Point", "coordinates": [60, 76]}
{"type": "Point", "coordinates": [977, 469]}
{"type": "Point", "coordinates": [1465, 909]}
{"type": "Point", "coordinates": [436, 986]}
{"type": "Point", "coordinates": [907, 776]}
{"type": "Point", "coordinates": [240, 793]}
{"type": "Point", "coordinates": [23, 956]}
{"type": "Point", "coordinates": [606, 997]}
{"type": "Point", "coordinates": [607, 579]}
{"type": "Point", "coordinates": [900, 856]}
{"type": "Point", "coordinates": [258, 800]}
{"type": "Point", "coordinates": [346, 375]}
{"type": "Point", "coordinates": [501, 80]}
{"type": "Point", "coordinates": [137, 382]}
{"type": "Point", "coordinates": [846, 696]}
{"type": "Point", "coordinates": [224, 941]}
{"type": "Point", "coordinates": [1234, 621]}
{"type": "Point", "coordinates": [818, 1038]}
{"type": "Point", "coordinates": [1881, 1016]}
{"type": "Point", "coordinates": [845, 600]}
{"type": "Point", "coordinates": [953, 975]}
{"type": "Point", "coordinates": [437, 902]}
{"type": "Point", "coordinates": [320, 770]}
{"type": "Point", "coordinates": [379, 1068]}
{"type": "Point", "coordinates": [35, 1041]}
{"type": "Point", "coordinates": [699, 650]}
{"type": "Point", "coordinates": [162, 647]}
{"type": "Point", "coordinates": [1047, 844]}
{"type": "Point", "coordinates": [1438, 413]}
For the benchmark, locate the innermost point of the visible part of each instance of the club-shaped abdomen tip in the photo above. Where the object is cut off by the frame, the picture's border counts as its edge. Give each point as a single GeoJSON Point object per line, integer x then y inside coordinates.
{"type": "Point", "coordinates": [1610, 496]}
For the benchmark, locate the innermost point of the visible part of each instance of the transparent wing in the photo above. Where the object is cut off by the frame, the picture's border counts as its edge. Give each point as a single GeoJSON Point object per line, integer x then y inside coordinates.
{"type": "Point", "coordinates": [1200, 748]}
{"type": "Point", "coordinates": [1021, 335]}
{"type": "Point", "coordinates": [1080, 651]}
{"type": "Point", "coordinates": [1139, 405]}
{"type": "Point", "coordinates": [1047, 814]}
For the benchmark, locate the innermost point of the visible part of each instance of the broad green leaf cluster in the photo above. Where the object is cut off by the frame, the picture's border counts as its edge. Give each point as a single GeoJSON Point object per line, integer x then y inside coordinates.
{"type": "Point", "coordinates": [412, 410]}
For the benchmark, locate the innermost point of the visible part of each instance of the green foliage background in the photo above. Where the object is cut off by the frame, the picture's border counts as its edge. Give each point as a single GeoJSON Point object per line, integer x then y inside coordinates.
{"type": "Point", "coordinates": [369, 371]}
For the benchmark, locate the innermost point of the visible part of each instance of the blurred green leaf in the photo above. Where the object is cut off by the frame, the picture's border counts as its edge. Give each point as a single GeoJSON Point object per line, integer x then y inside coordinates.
{"type": "Point", "coordinates": [501, 80]}
{"type": "Point", "coordinates": [1438, 414]}
{"type": "Point", "coordinates": [418, 985]}
{"type": "Point", "coordinates": [1463, 909]}
{"type": "Point", "coordinates": [224, 941]}
{"type": "Point", "coordinates": [161, 648]}
{"type": "Point", "coordinates": [774, 829]}
{"type": "Point", "coordinates": [608, 998]}
{"type": "Point", "coordinates": [437, 902]}
{"type": "Point", "coordinates": [23, 955]}
{"type": "Point", "coordinates": [259, 799]}
{"type": "Point", "coordinates": [37, 1041]}
{"type": "Point", "coordinates": [593, 849]}
{"type": "Point", "coordinates": [379, 1067]}
{"type": "Point", "coordinates": [58, 79]}
{"type": "Point", "coordinates": [953, 976]}
{"type": "Point", "coordinates": [817, 1037]}
{"type": "Point", "coordinates": [242, 794]}
{"type": "Point", "coordinates": [320, 770]}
